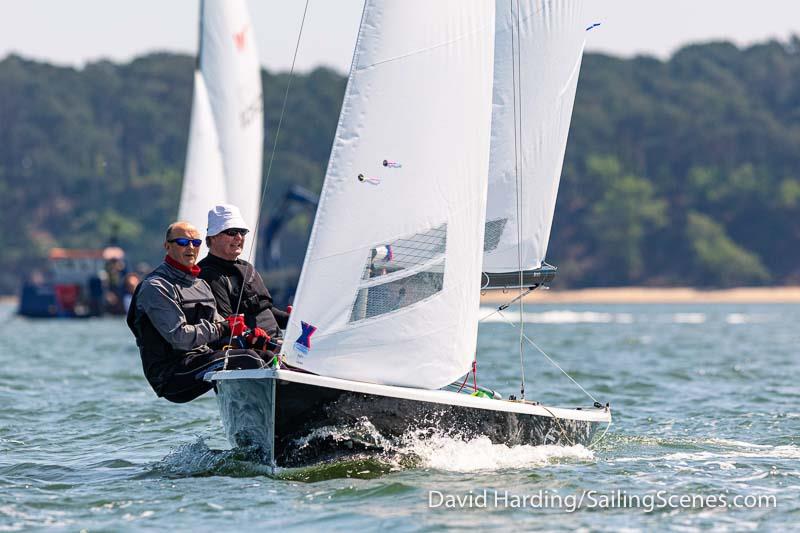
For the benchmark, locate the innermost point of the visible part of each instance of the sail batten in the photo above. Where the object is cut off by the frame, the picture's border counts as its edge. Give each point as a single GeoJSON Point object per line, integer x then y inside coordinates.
{"type": "Point", "coordinates": [387, 293]}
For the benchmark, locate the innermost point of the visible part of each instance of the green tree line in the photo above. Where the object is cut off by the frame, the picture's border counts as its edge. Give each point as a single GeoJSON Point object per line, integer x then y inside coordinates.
{"type": "Point", "coordinates": [677, 172]}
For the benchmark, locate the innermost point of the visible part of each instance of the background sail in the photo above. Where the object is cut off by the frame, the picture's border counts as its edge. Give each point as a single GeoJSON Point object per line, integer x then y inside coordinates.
{"type": "Point", "coordinates": [229, 66]}
{"type": "Point", "coordinates": [388, 291]}
{"type": "Point", "coordinates": [538, 50]}
{"type": "Point", "coordinates": [203, 177]}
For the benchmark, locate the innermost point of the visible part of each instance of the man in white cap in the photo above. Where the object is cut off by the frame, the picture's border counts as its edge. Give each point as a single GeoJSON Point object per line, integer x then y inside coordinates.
{"type": "Point", "coordinates": [177, 328]}
{"type": "Point", "coordinates": [226, 274]}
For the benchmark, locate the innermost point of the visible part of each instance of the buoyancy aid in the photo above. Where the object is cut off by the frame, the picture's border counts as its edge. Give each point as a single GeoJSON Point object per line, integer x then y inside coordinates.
{"type": "Point", "coordinates": [159, 357]}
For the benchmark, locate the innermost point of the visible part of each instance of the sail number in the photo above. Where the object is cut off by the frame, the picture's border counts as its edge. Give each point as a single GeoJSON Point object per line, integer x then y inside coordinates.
{"type": "Point", "coordinates": [251, 111]}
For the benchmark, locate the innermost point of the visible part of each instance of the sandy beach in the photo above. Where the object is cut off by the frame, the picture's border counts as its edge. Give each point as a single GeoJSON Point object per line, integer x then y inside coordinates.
{"type": "Point", "coordinates": [632, 295]}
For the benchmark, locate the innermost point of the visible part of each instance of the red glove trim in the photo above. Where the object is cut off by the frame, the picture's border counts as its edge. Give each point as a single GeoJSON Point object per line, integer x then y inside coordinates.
{"type": "Point", "coordinates": [236, 323]}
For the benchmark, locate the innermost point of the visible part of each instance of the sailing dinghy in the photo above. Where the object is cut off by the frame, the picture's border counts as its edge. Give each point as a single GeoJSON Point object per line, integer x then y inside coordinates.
{"type": "Point", "coordinates": [440, 123]}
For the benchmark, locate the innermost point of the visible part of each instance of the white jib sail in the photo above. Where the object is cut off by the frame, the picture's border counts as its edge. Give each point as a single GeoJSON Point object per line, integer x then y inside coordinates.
{"type": "Point", "coordinates": [230, 69]}
{"type": "Point", "coordinates": [388, 292]}
{"type": "Point", "coordinates": [203, 177]}
{"type": "Point", "coordinates": [538, 50]}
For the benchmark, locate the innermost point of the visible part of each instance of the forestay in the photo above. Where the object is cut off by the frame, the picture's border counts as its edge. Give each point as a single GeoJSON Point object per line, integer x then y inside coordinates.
{"type": "Point", "coordinates": [228, 65]}
{"type": "Point", "coordinates": [388, 293]}
{"type": "Point", "coordinates": [538, 50]}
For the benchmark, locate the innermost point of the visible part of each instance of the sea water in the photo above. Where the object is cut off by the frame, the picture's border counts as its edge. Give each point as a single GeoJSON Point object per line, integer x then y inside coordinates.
{"type": "Point", "coordinates": [706, 433]}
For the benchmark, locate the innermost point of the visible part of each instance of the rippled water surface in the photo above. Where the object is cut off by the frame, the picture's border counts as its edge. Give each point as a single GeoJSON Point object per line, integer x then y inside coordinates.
{"type": "Point", "coordinates": [705, 398]}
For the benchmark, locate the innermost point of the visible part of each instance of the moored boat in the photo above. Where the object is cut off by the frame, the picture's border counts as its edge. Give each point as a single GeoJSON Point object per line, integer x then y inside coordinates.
{"type": "Point", "coordinates": [78, 283]}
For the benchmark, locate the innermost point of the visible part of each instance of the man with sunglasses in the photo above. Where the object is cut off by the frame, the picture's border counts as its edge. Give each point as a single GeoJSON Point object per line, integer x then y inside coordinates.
{"type": "Point", "coordinates": [177, 327]}
{"type": "Point", "coordinates": [235, 283]}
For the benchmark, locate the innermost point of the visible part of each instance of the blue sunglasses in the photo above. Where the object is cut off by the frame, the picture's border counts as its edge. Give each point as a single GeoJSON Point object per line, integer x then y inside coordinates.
{"type": "Point", "coordinates": [183, 241]}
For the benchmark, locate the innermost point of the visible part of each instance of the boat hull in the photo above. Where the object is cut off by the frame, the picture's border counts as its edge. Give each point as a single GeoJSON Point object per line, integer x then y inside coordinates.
{"type": "Point", "coordinates": [290, 423]}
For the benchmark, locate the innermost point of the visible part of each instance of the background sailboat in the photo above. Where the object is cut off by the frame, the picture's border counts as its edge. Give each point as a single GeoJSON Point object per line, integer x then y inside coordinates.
{"type": "Point", "coordinates": [224, 156]}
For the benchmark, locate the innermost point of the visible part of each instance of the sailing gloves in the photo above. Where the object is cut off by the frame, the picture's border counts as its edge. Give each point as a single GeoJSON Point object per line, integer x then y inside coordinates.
{"type": "Point", "coordinates": [233, 326]}
{"type": "Point", "coordinates": [258, 339]}
{"type": "Point", "coordinates": [236, 325]}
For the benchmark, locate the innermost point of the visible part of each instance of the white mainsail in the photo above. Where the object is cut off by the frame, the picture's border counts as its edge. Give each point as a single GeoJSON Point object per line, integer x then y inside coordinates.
{"type": "Point", "coordinates": [538, 50]}
{"type": "Point", "coordinates": [388, 292]}
{"type": "Point", "coordinates": [231, 76]}
{"type": "Point", "coordinates": [203, 176]}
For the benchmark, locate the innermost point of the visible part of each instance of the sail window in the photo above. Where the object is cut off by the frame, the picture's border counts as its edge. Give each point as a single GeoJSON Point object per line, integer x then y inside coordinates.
{"type": "Point", "coordinates": [387, 297]}
{"type": "Point", "coordinates": [493, 230]}
{"type": "Point", "coordinates": [400, 273]}
{"type": "Point", "coordinates": [406, 252]}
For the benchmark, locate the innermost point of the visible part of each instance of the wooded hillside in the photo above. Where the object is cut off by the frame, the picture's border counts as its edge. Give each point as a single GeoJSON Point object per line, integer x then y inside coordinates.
{"type": "Point", "coordinates": [684, 172]}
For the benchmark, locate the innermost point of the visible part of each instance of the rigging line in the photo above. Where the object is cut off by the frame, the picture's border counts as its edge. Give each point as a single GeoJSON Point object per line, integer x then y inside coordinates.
{"type": "Point", "coordinates": [517, 164]}
{"type": "Point", "coordinates": [521, 183]}
{"type": "Point", "coordinates": [557, 420]}
{"type": "Point", "coordinates": [547, 357]}
{"type": "Point", "coordinates": [597, 441]}
{"type": "Point", "coordinates": [248, 273]}
{"type": "Point", "coordinates": [507, 304]}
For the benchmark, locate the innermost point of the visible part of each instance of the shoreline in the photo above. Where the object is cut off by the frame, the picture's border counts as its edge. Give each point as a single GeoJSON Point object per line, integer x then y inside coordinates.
{"type": "Point", "coordinates": [649, 295]}
{"type": "Point", "coordinates": [630, 295]}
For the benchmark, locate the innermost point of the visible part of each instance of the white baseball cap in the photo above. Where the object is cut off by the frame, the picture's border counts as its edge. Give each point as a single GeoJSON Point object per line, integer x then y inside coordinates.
{"type": "Point", "coordinates": [222, 217]}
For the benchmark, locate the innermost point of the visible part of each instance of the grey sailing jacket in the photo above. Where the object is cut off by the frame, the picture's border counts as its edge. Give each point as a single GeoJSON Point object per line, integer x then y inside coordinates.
{"type": "Point", "coordinates": [166, 295]}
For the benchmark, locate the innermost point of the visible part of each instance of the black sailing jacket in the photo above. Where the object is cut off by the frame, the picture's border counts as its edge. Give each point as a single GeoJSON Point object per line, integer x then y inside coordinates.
{"type": "Point", "coordinates": [225, 278]}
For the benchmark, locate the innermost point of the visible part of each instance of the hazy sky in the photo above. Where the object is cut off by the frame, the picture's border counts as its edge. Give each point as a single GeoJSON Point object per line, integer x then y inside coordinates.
{"type": "Point", "coordinates": [76, 31]}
